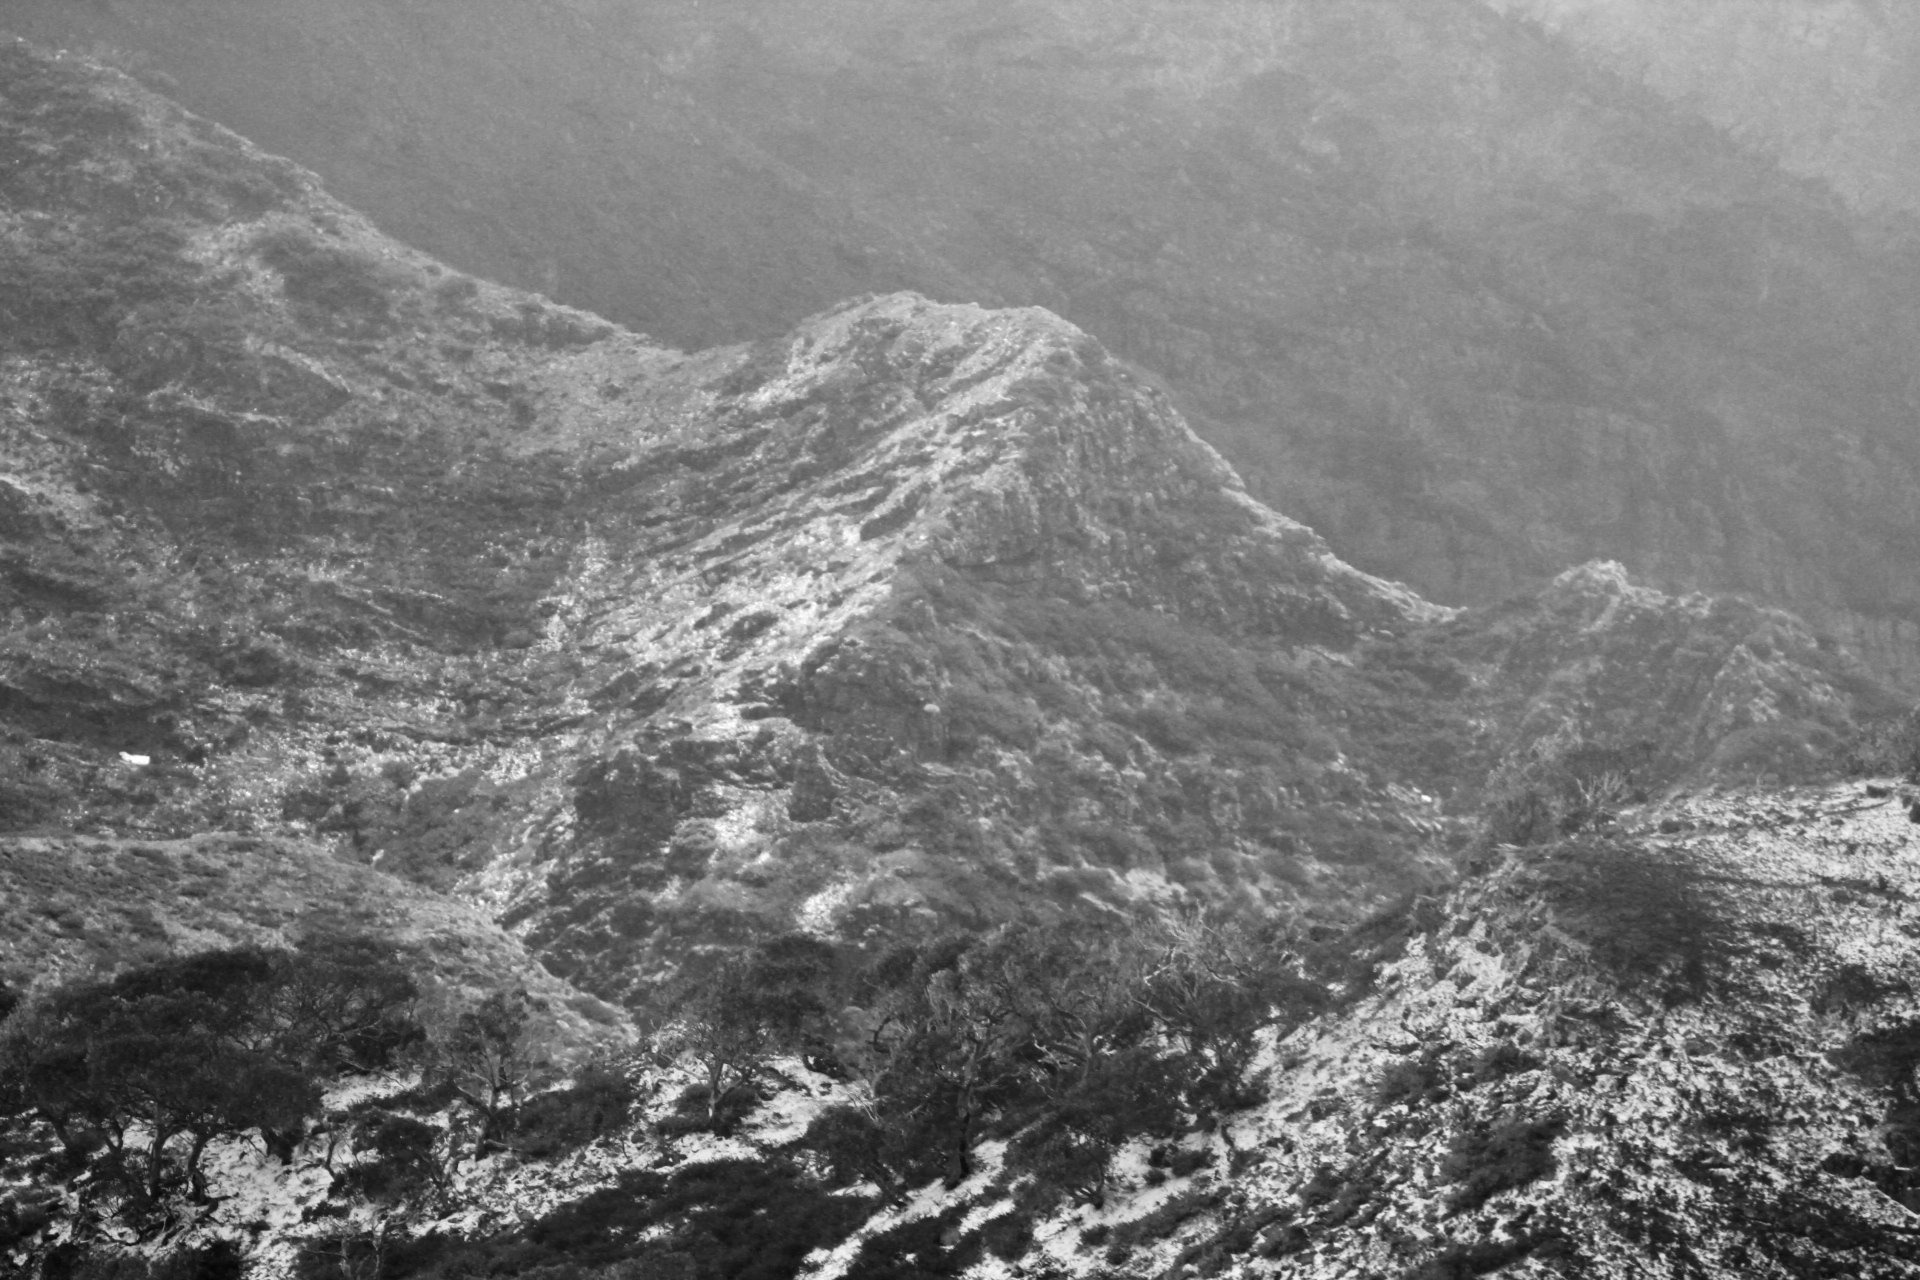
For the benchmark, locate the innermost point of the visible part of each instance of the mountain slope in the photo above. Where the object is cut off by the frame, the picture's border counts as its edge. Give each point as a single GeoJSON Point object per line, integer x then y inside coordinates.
{"type": "Point", "coordinates": [1830, 89]}
{"type": "Point", "coordinates": [325, 565]}
{"type": "Point", "coordinates": [1471, 308]}
{"type": "Point", "coordinates": [920, 616]}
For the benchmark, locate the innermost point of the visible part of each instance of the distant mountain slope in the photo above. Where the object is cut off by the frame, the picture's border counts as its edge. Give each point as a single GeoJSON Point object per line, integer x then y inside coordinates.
{"type": "Point", "coordinates": [1472, 308]}
{"type": "Point", "coordinates": [920, 616]}
{"type": "Point", "coordinates": [1832, 89]}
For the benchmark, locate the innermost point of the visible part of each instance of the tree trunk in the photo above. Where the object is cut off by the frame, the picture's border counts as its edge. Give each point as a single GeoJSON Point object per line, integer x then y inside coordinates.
{"type": "Point", "coordinates": [960, 1160]}
{"type": "Point", "coordinates": [197, 1184]}
{"type": "Point", "coordinates": [156, 1157]}
{"type": "Point", "coordinates": [716, 1074]}
{"type": "Point", "coordinates": [280, 1143]}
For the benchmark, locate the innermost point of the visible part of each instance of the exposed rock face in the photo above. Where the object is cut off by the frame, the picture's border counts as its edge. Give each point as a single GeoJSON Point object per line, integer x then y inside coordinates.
{"type": "Point", "coordinates": [874, 638]}
{"type": "Point", "coordinates": [1471, 308]}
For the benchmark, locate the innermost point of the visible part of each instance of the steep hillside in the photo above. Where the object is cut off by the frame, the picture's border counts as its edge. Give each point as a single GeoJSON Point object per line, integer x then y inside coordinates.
{"type": "Point", "coordinates": [1471, 308]}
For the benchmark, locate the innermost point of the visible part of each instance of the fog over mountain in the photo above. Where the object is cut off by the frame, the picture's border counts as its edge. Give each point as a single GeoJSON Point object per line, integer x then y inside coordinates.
{"type": "Point", "coordinates": [1828, 89]}
{"type": "Point", "coordinates": [857, 639]}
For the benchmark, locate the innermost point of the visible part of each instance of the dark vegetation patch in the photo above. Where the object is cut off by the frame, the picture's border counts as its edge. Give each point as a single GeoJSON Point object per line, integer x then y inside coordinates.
{"type": "Point", "coordinates": [1852, 988]}
{"type": "Point", "coordinates": [1890, 745]}
{"type": "Point", "coordinates": [1412, 1082]}
{"type": "Point", "coordinates": [1466, 1260]}
{"type": "Point", "coordinates": [112, 1089]}
{"type": "Point", "coordinates": [764, 362]}
{"type": "Point", "coordinates": [1560, 788]}
{"type": "Point", "coordinates": [925, 1247]}
{"type": "Point", "coordinates": [1649, 915]}
{"type": "Point", "coordinates": [729, 1220]}
{"type": "Point", "coordinates": [1496, 1062]}
{"type": "Point", "coordinates": [332, 278]}
{"type": "Point", "coordinates": [219, 1260]}
{"type": "Point", "coordinates": [1499, 1155]}
{"type": "Point", "coordinates": [75, 288]}
{"type": "Point", "coordinates": [1885, 1056]}
{"type": "Point", "coordinates": [1161, 1222]}
{"type": "Point", "coordinates": [596, 1104]}
{"type": "Point", "coordinates": [196, 1048]}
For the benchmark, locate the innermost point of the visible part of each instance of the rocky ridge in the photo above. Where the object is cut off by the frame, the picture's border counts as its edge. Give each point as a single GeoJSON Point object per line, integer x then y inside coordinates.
{"type": "Point", "coordinates": [1448, 285]}
{"type": "Point", "coordinates": [903, 617]}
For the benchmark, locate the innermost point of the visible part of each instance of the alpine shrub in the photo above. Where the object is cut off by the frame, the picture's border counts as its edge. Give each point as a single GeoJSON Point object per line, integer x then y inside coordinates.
{"type": "Point", "coordinates": [1506, 1154]}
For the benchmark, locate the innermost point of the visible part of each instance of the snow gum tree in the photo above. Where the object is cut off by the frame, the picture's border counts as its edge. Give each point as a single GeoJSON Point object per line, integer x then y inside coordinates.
{"type": "Point", "coordinates": [749, 1008]}
{"type": "Point", "coordinates": [490, 1055]}
{"type": "Point", "coordinates": [137, 1074]}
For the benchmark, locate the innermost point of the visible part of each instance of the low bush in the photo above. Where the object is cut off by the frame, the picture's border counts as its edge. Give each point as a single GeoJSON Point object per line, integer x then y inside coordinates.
{"type": "Point", "coordinates": [75, 290]}
{"type": "Point", "coordinates": [1650, 916]}
{"type": "Point", "coordinates": [1160, 1223]}
{"type": "Point", "coordinates": [1411, 1082]}
{"type": "Point", "coordinates": [723, 1220]}
{"type": "Point", "coordinates": [1560, 786]}
{"type": "Point", "coordinates": [409, 1156]}
{"type": "Point", "coordinates": [1183, 1162]}
{"type": "Point", "coordinates": [218, 1260]}
{"type": "Point", "coordinates": [918, 1250]}
{"type": "Point", "coordinates": [692, 1113]}
{"type": "Point", "coordinates": [1498, 1157]}
{"type": "Point", "coordinates": [1009, 1236]}
{"type": "Point", "coordinates": [1459, 1261]}
{"type": "Point", "coordinates": [1341, 1193]}
{"type": "Point", "coordinates": [1497, 1061]}
{"type": "Point", "coordinates": [331, 277]}
{"type": "Point", "coordinates": [597, 1103]}
{"type": "Point", "coordinates": [1886, 1058]}
{"type": "Point", "coordinates": [1888, 746]}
